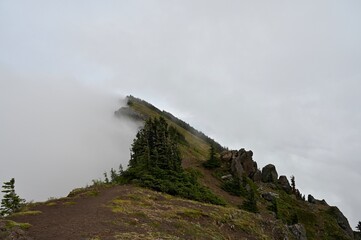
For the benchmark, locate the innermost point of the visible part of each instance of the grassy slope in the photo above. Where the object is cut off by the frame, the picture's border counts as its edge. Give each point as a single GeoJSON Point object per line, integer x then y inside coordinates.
{"type": "Point", "coordinates": [197, 148]}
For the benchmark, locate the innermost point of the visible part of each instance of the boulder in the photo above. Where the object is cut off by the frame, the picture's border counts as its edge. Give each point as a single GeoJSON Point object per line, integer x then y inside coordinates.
{"type": "Point", "coordinates": [311, 199]}
{"type": "Point", "coordinates": [269, 174]}
{"type": "Point", "coordinates": [269, 196]}
{"type": "Point", "coordinates": [237, 168]}
{"type": "Point", "coordinates": [227, 156]}
{"type": "Point", "coordinates": [298, 231]}
{"type": "Point", "coordinates": [257, 176]}
{"type": "Point", "coordinates": [285, 184]}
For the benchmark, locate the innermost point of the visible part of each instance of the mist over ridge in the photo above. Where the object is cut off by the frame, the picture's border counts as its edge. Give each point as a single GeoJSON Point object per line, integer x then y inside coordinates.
{"type": "Point", "coordinates": [59, 135]}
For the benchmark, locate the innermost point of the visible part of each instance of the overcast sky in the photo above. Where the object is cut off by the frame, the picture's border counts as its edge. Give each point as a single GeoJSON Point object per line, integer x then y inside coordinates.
{"type": "Point", "coordinates": [282, 78]}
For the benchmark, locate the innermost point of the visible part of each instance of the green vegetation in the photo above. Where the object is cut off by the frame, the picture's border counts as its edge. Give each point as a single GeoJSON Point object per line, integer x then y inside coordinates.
{"type": "Point", "coordinates": [156, 163]}
{"type": "Point", "coordinates": [151, 111]}
{"type": "Point", "coordinates": [234, 187]}
{"type": "Point", "coordinates": [250, 204]}
{"type": "Point", "coordinates": [197, 149]}
{"type": "Point", "coordinates": [26, 213]}
{"type": "Point", "coordinates": [11, 224]}
{"type": "Point", "coordinates": [192, 143]}
{"type": "Point", "coordinates": [11, 202]}
{"type": "Point", "coordinates": [213, 161]}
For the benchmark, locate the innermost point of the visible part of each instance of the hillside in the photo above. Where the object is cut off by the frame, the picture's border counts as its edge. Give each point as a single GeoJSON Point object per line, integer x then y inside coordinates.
{"type": "Point", "coordinates": [320, 220]}
{"type": "Point", "coordinates": [257, 204]}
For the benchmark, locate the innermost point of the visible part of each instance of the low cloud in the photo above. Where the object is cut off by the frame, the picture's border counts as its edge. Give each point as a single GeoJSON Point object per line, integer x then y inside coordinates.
{"type": "Point", "coordinates": [57, 135]}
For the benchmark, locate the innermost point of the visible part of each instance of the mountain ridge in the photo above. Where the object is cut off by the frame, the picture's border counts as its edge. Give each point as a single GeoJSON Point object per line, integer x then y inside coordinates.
{"type": "Point", "coordinates": [245, 166]}
{"type": "Point", "coordinates": [138, 213]}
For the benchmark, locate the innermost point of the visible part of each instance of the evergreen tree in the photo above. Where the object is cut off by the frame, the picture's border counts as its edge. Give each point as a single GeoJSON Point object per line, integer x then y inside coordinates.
{"type": "Point", "coordinates": [155, 146]}
{"type": "Point", "coordinates": [358, 227]}
{"type": "Point", "coordinates": [250, 204]}
{"type": "Point", "coordinates": [11, 202]}
{"type": "Point", "coordinates": [213, 161]}
{"type": "Point", "coordinates": [106, 178]}
{"type": "Point", "coordinates": [293, 184]}
{"type": "Point", "coordinates": [156, 163]}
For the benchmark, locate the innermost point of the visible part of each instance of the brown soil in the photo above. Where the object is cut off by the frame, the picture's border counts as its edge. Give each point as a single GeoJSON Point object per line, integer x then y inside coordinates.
{"type": "Point", "coordinates": [75, 218]}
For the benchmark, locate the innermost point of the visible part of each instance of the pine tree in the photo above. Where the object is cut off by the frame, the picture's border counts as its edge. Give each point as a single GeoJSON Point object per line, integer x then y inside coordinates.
{"type": "Point", "coordinates": [358, 227]}
{"type": "Point", "coordinates": [155, 146]}
{"type": "Point", "coordinates": [11, 202]}
{"type": "Point", "coordinates": [156, 163]}
{"type": "Point", "coordinates": [106, 178]}
{"type": "Point", "coordinates": [250, 204]}
{"type": "Point", "coordinates": [213, 161]}
{"type": "Point", "coordinates": [293, 184]}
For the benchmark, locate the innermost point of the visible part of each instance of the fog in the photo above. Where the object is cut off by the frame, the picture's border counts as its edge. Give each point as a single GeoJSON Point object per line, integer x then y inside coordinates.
{"type": "Point", "coordinates": [58, 135]}
{"type": "Point", "coordinates": [281, 78]}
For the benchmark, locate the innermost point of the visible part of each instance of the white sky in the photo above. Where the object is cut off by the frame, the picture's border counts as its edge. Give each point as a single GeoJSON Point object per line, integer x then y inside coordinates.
{"type": "Point", "coordinates": [281, 78]}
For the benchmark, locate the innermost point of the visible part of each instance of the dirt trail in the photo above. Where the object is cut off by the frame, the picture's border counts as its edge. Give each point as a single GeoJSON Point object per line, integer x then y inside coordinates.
{"type": "Point", "coordinates": [75, 218]}
{"type": "Point", "coordinates": [89, 217]}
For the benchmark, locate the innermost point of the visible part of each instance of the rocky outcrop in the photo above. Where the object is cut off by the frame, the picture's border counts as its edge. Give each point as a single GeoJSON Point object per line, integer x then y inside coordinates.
{"type": "Point", "coordinates": [241, 164]}
{"type": "Point", "coordinates": [285, 184]}
{"type": "Point", "coordinates": [298, 231]}
{"type": "Point", "coordinates": [130, 113]}
{"type": "Point", "coordinates": [342, 221]}
{"type": "Point", "coordinates": [311, 199]}
{"type": "Point", "coordinates": [269, 174]}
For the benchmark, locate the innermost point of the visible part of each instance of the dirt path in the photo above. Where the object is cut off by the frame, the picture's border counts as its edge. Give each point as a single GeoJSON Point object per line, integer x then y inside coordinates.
{"type": "Point", "coordinates": [75, 218]}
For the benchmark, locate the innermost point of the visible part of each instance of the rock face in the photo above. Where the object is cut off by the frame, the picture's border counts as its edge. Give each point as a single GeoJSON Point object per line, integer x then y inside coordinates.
{"type": "Point", "coordinates": [241, 163]}
{"type": "Point", "coordinates": [269, 174]}
{"type": "Point", "coordinates": [299, 231]}
{"type": "Point", "coordinates": [257, 177]}
{"type": "Point", "coordinates": [342, 221]}
{"type": "Point", "coordinates": [285, 184]}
